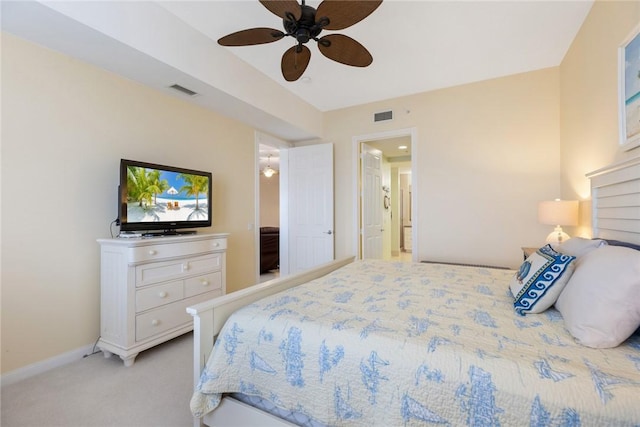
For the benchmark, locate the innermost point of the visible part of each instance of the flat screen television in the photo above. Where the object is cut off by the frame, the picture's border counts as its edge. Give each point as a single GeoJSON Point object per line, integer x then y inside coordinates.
{"type": "Point", "coordinates": [161, 200]}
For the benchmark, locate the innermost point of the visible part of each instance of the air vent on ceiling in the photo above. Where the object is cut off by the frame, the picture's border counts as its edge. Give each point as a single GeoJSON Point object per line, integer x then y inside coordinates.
{"type": "Point", "coordinates": [383, 116]}
{"type": "Point", "coordinates": [183, 90]}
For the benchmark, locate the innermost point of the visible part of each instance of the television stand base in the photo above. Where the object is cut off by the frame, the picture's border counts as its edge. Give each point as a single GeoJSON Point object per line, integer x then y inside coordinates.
{"type": "Point", "coordinates": [169, 233]}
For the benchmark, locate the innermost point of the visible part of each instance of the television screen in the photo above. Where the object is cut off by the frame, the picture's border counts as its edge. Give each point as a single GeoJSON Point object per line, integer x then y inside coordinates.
{"type": "Point", "coordinates": [164, 198]}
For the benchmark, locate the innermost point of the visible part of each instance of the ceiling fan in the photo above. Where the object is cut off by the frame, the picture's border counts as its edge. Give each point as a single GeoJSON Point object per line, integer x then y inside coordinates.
{"type": "Point", "coordinates": [305, 23]}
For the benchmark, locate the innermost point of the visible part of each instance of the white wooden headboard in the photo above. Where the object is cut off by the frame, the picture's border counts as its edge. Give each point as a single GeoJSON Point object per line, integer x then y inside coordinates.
{"type": "Point", "coordinates": [615, 201]}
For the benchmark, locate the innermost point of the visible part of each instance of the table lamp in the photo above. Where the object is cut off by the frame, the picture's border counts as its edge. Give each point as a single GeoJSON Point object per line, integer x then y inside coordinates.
{"type": "Point", "coordinates": [558, 212]}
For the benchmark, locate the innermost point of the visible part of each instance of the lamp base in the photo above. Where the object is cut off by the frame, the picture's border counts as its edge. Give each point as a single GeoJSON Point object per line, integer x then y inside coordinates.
{"type": "Point", "coordinates": [557, 236]}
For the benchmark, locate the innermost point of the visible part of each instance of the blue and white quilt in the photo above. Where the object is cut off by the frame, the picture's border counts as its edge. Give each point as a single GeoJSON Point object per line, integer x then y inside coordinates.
{"type": "Point", "coordinates": [381, 343]}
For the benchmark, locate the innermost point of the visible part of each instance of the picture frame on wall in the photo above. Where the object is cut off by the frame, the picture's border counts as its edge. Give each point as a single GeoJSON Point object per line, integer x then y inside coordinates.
{"type": "Point", "coordinates": [629, 90]}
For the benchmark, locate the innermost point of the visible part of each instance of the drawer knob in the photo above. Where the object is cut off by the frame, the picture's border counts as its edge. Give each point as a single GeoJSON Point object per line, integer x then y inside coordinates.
{"type": "Point", "coordinates": [155, 322]}
{"type": "Point", "coordinates": [185, 266]}
{"type": "Point", "coordinates": [162, 294]}
{"type": "Point", "coordinates": [216, 244]}
{"type": "Point", "coordinates": [152, 252]}
{"type": "Point", "coordinates": [204, 282]}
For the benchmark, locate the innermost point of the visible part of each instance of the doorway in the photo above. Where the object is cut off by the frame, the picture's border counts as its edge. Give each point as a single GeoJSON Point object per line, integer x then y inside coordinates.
{"type": "Point", "coordinates": [397, 190]}
{"type": "Point", "coordinates": [268, 221]}
{"type": "Point", "coordinates": [296, 214]}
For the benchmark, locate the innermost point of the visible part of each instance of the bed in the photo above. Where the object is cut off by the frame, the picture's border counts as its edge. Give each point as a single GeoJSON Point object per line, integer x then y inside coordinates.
{"type": "Point", "coordinates": [380, 343]}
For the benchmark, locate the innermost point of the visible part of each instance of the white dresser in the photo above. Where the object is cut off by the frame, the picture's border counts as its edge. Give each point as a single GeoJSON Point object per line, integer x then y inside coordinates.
{"type": "Point", "coordinates": [147, 284]}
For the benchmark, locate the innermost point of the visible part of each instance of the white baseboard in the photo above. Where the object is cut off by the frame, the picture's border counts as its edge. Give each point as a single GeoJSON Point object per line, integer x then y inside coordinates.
{"type": "Point", "coordinates": [29, 371]}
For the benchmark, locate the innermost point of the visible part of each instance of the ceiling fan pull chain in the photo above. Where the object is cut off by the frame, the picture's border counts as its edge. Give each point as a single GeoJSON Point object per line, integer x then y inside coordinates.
{"type": "Point", "coordinates": [296, 56]}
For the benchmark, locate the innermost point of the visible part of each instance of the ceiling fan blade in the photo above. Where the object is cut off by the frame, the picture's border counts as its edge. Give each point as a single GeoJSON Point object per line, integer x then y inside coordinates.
{"type": "Point", "coordinates": [281, 7]}
{"type": "Point", "coordinates": [251, 36]}
{"type": "Point", "coordinates": [345, 13]}
{"type": "Point", "coordinates": [294, 63]}
{"type": "Point", "coordinates": [345, 50]}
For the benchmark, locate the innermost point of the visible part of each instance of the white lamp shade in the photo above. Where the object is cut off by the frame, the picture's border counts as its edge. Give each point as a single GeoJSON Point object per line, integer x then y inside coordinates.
{"type": "Point", "coordinates": [558, 212]}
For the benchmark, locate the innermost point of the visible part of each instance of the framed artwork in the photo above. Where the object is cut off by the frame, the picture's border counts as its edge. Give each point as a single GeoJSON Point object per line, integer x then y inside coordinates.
{"type": "Point", "coordinates": [629, 90]}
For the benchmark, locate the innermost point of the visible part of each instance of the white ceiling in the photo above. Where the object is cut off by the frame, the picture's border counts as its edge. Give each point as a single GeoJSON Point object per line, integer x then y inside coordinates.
{"type": "Point", "coordinates": [417, 46]}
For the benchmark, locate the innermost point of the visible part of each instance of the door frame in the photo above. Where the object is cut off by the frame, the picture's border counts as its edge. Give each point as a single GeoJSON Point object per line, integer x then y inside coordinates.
{"type": "Point", "coordinates": [357, 173]}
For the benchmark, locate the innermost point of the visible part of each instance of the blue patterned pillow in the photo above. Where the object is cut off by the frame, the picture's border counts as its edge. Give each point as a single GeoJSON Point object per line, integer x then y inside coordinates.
{"type": "Point", "coordinates": [540, 279]}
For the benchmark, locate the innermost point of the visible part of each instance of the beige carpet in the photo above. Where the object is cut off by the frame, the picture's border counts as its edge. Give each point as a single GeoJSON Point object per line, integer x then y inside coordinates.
{"type": "Point", "coordinates": [96, 391]}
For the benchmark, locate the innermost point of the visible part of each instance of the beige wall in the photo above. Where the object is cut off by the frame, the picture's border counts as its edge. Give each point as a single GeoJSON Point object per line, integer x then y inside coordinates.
{"type": "Point", "coordinates": [489, 151]}
{"type": "Point", "coordinates": [589, 99]}
{"type": "Point", "coordinates": [65, 126]}
{"type": "Point", "coordinates": [486, 154]}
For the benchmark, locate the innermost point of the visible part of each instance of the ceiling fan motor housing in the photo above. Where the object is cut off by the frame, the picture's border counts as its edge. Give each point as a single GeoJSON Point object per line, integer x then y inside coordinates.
{"type": "Point", "coordinates": [305, 28]}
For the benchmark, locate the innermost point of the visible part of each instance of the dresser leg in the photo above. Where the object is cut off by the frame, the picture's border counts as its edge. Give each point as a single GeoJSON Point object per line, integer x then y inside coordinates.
{"type": "Point", "coordinates": [128, 360]}
{"type": "Point", "coordinates": [107, 353]}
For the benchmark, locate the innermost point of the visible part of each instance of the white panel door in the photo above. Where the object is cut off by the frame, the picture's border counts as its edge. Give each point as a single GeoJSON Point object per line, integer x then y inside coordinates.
{"type": "Point", "coordinates": [372, 206]}
{"type": "Point", "coordinates": [310, 206]}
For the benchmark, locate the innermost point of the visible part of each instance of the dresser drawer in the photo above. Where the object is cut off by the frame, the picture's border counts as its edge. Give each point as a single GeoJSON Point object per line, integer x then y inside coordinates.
{"type": "Point", "coordinates": [204, 263]}
{"type": "Point", "coordinates": [147, 274]}
{"type": "Point", "coordinates": [160, 320]}
{"type": "Point", "coordinates": [163, 319]}
{"type": "Point", "coordinates": [163, 250]}
{"type": "Point", "coordinates": [201, 284]}
{"type": "Point", "coordinates": [156, 296]}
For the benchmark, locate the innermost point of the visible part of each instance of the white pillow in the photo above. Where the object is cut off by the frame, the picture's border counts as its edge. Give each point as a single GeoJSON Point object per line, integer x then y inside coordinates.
{"type": "Point", "coordinates": [540, 279]}
{"type": "Point", "coordinates": [579, 246]}
{"type": "Point", "coordinates": [601, 303]}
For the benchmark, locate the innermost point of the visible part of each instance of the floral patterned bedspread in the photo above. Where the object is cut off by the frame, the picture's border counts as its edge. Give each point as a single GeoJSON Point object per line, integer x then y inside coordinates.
{"type": "Point", "coordinates": [381, 343]}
